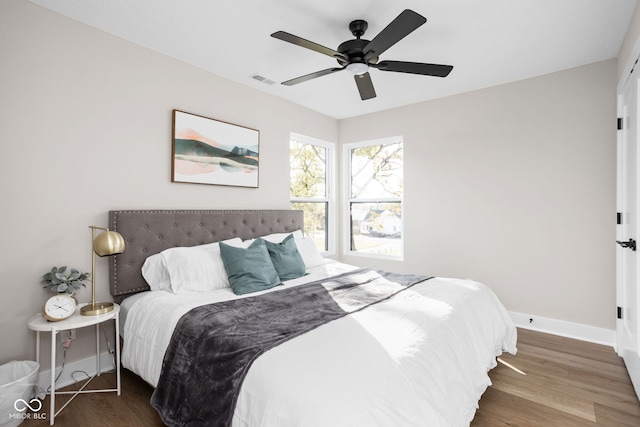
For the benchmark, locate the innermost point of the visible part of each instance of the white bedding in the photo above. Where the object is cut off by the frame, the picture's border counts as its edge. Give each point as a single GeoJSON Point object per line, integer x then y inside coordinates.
{"type": "Point", "coordinates": [418, 359]}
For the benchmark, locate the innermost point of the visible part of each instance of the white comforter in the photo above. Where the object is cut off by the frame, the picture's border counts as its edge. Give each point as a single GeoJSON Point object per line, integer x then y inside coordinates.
{"type": "Point", "coordinates": [418, 359]}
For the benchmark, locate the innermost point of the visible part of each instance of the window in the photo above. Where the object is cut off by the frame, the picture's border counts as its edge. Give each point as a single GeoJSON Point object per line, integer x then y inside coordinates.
{"type": "Point", "coordinates": [375, 171]}
{"type": "Point", "coordinates": [311, 178]}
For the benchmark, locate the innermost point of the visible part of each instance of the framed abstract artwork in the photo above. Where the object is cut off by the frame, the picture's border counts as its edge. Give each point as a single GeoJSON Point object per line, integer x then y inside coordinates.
{"type": "Point", "coordinates": [208, 151]}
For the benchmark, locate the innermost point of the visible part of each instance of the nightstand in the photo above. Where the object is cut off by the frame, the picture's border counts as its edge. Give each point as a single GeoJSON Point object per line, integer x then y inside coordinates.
{"type": "Point", "coordinates": [39, 324]}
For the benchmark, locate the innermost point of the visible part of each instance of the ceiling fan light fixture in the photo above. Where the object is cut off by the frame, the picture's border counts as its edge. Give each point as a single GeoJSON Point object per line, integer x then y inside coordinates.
{"type": "Point", "coordinates": [357, 68]}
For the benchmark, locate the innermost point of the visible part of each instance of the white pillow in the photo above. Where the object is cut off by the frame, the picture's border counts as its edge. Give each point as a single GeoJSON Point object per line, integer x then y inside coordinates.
{"type": "Point", "coordinates": [155, 273]}
{"type": "Point", "coordinates": [309, 251]}
{"type": "Point", "coordinates": [279, 237]}
{"type": "Point", "coordinates": [196, 268]}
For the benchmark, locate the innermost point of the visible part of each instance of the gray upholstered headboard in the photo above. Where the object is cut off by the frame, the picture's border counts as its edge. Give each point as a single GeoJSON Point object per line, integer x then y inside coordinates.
{"type": "Point", "coordinates": [148, 232]}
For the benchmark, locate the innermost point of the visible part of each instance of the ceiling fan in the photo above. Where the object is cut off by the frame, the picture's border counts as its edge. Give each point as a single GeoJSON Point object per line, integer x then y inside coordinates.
{"type": "Point", "coordinates": [358, 54]}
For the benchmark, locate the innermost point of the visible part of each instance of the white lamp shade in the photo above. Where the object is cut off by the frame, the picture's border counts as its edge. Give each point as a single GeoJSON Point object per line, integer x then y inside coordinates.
{"type": "Point", "coordinates": [357, 68]}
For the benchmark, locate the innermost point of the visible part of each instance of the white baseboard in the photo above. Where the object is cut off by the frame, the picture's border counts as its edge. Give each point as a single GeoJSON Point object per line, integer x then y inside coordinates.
{"type": "Point", "coordinates": [565, 329]}
{"type": "Point", "coordinates": [75, 372]}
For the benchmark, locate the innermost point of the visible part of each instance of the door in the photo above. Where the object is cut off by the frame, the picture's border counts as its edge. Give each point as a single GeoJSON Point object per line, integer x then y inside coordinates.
{"type": "Point", "coordinates": [626, 234]}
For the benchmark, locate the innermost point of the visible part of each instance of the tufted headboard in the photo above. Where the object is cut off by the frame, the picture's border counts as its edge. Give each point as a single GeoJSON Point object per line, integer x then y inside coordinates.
{"type": "Point", "coordinates": [149, 232]}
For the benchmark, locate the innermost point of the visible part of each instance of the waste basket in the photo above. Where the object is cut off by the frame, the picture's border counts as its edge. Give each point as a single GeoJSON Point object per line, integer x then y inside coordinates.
{"type": "Point", "coordinates": [18, 381]}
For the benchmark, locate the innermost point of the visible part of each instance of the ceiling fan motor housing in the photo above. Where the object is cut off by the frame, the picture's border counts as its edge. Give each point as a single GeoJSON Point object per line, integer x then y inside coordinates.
{"type": "Point", "coordinates": [354, 49]}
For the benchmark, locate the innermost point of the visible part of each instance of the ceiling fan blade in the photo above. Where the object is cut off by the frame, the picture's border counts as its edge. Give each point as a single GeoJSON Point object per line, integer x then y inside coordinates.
{"type": "Point", "coordinates": [311, 76]}
{"type": "Point", "coordinates": [365, 86]}
{"type": "Point", "coordinates": [436, 70]}
{"type": "Point", "coordinates": [299, 41]}
{"type": "Point", "coordinates": [399, 28]}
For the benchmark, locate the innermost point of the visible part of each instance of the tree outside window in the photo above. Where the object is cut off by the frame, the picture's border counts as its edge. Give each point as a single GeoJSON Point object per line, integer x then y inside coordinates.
{"type": "Point", "coordinates": [375, 197]}
{"type": "Point", "coordinates": [311, 163]}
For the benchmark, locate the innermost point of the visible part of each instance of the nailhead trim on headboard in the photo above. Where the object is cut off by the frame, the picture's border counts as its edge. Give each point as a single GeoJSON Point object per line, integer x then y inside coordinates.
{"type": "Point", "coordinates": [147, 232]}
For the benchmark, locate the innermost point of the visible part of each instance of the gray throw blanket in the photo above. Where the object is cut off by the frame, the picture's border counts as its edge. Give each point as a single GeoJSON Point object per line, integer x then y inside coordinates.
{"type": "Point", "coordinates": [214, 345]}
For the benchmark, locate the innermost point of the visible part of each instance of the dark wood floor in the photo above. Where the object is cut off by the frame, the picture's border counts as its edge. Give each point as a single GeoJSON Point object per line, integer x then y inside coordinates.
{"type": "Point", "coordinates": [568, 383]}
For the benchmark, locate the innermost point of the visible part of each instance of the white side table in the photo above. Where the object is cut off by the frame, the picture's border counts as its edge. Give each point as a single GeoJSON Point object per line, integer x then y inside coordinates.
{"type": "Point", "coordinates": [39, 324]}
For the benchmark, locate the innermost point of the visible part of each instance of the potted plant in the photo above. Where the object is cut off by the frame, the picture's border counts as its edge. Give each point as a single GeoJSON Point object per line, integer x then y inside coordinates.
{"type": "Point", "coordinates": [61, 280]}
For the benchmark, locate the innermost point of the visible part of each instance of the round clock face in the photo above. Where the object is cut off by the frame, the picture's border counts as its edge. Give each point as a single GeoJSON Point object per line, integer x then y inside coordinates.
{"type": "Point", "coordinates": [59, 307]}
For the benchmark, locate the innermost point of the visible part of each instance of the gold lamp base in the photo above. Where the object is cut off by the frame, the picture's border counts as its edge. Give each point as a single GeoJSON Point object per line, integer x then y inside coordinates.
{"type": "Point", "coordinates": [93, 309]}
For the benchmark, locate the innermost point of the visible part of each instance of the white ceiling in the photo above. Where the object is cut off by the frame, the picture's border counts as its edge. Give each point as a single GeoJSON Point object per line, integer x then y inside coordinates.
{"type": "Point", "coordinates": [489, 42]}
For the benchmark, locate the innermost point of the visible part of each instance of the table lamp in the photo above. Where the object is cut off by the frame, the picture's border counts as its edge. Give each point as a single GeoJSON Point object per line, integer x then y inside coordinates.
{"type": "Point", "coordinates": [105, 244]}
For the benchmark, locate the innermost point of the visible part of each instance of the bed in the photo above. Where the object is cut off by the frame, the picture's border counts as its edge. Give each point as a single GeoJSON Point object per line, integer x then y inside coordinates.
{"type": "Point", "coordinates": [400, 350]}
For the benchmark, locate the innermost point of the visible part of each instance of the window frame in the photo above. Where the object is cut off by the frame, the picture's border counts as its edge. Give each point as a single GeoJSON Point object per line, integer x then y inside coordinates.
{"type": "Point", "coordinates": [348, 200]}
{"type": "Point", "coordinates": [330, 184]}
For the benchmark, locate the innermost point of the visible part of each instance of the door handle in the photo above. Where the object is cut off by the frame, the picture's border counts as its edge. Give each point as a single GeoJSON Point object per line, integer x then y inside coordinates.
{"type": "Point", "coordinates": [628, 244]}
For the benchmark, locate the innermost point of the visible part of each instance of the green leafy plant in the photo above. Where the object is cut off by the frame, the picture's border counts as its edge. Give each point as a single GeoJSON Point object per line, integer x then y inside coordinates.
{"type": "Point", "coordinates": [61, 280]}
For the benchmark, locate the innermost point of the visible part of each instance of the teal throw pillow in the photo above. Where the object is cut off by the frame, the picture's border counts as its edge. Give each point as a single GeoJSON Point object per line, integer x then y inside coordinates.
{"type": "Point", "coordinates": [286, 259]}
{"type": "Point", "coordinates": [249, 270]}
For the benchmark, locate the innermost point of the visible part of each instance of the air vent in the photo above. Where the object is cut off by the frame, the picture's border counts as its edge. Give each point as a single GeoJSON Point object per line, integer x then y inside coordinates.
{"type": "Point", "coordinates": [262, 79]}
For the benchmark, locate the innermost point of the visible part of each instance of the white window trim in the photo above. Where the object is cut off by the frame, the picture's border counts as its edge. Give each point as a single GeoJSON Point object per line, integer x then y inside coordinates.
{"type": "Point", "coordinates": [331, 199]}
{"type": "Point", "coordinates": [346, 190]}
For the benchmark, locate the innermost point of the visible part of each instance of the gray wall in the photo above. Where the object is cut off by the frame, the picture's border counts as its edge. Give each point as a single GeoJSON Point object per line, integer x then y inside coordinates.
{"type": "Point", "coordinates": [512, 185]}
{"type": "Point", "coordinates": [86, 127]}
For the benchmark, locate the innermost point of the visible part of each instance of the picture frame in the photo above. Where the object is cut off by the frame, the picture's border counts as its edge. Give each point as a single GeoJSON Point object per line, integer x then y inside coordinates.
{"type": "Point", "coordinates": [209, 151]}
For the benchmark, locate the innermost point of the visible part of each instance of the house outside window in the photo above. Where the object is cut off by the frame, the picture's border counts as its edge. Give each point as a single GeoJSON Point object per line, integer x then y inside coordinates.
{"type": "Point", "coordinates": [311, 189]}
{"type": "Point", "coordinates": [375, 190]}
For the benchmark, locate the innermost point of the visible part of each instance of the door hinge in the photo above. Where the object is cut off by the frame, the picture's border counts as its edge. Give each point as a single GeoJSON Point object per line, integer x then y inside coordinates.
{"type": "Point", "coordinates": [619, 312]}
{"type": "Point", "coordinates": [619, 123]}
{"type": "Point", "coordinates": [618, 218]}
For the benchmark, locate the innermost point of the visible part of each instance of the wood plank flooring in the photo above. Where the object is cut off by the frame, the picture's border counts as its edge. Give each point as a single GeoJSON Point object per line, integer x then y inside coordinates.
{"type": "Point", "coordinates": [568, 383]}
